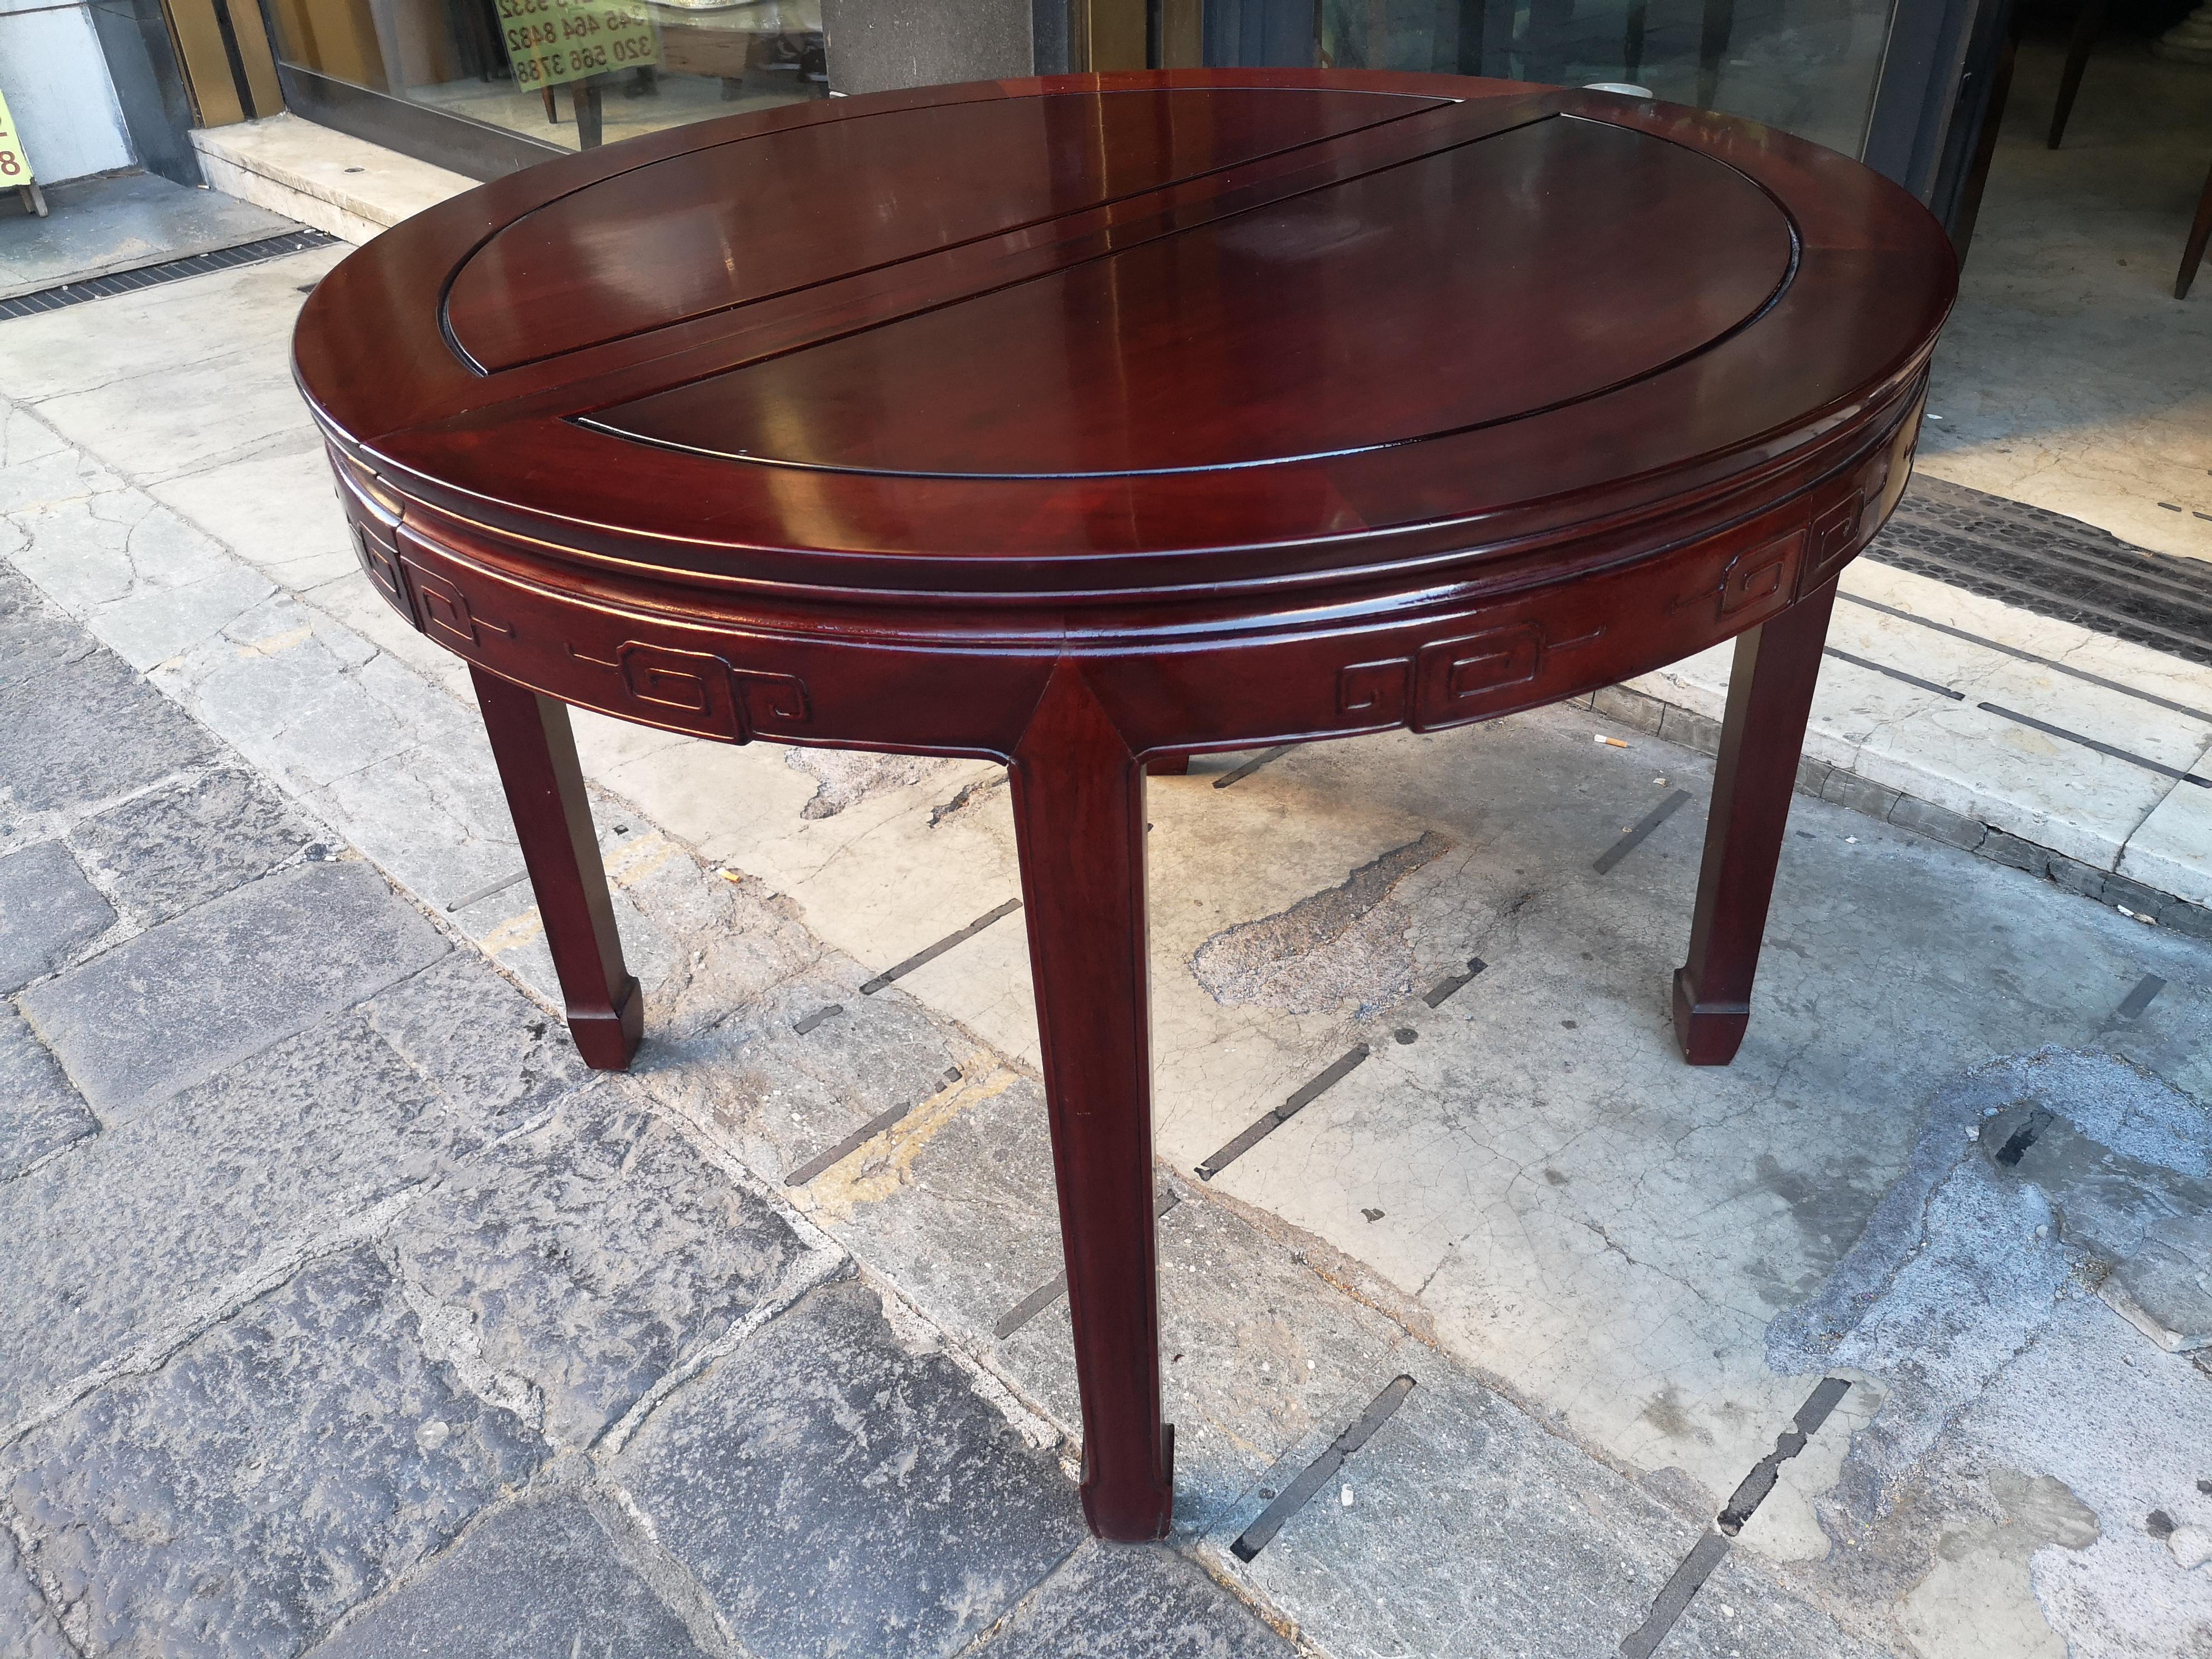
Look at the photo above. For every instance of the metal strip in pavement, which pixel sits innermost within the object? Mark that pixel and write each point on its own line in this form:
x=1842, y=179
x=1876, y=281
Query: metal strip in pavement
x=803, y=1026
x=1253, y=765
x=853, y=1142
x=2143, y=761
x=1894, y=673
x=2147, y=989
x=1633, y=838
x=498, y=886
x=1445, y=988
x=845, y=1148
x=1751, y=1492
x=2143, y=572
x=1266, y=1125
x=1904, y=558
x=1712, y=1549
x=1055, y=1287
x=922, y=957
x=1318, y=1473
x=2052, y=664
x=1689, y=1579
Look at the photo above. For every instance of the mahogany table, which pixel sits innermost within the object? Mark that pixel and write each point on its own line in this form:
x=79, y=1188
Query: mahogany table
x=1087, y=422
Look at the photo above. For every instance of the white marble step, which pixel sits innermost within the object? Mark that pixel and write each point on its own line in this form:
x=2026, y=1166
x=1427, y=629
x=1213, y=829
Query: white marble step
x=2063, y=737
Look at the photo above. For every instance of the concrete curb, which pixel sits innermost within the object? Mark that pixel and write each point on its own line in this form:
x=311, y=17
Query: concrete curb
x=1674, y=724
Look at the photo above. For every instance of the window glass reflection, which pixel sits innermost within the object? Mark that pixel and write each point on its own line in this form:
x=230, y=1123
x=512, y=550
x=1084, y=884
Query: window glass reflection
x=572, y=72
x=1806, y=66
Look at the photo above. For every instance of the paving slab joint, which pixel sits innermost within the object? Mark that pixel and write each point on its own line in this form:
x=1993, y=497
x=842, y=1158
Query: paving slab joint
x=636, y=1544
x=920, y=1333
x=367, y=1225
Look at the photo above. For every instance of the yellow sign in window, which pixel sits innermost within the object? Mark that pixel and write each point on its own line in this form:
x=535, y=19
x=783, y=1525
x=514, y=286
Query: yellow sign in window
x=553, y=41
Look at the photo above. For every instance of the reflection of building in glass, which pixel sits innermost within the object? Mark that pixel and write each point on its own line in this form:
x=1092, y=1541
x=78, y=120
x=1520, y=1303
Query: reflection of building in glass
x=631, y=66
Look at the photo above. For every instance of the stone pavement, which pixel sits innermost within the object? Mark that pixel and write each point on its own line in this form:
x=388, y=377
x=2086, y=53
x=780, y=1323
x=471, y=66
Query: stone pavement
x=386, y=1327
x=346, y=1312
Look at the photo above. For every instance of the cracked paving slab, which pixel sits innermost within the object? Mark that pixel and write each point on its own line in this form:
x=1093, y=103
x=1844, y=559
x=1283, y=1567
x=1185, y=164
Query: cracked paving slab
x=773, y=1097
x=164, y=414
x=38, y=467
x=139, y=1232
x=155, y=583
x=138, y=1023
x=2029, y=1430
x=279, y=513
x=35, y=635
x=48, y=913
x=888, y=1508
x=1964, y=759
x=1109, y=1601
x=574, y=1266
x=82, y=733
x=489, y=1049
x=537, y=1579
x=280, y=1468
x=39, y=1113
x=1578, y=1213
x=1345, y=943
x=846, y=777
x=1463, y=1525
x=28, y=1624
x=180, y=844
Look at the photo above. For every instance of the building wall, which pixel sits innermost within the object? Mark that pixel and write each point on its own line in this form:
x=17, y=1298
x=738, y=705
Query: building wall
x=875, y=46
x=58, y=87
x=156, y=113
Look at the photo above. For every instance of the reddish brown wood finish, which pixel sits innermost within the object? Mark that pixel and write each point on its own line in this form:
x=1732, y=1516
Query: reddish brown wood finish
x=1094, y=422
x=1078, y=798
x=1770, y=696
x=535, y=753
x=2192, y=252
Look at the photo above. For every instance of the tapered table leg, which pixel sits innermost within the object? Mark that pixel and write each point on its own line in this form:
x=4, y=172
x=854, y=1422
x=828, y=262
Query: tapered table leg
x=1770, y=696
x=536, y=750
x=1079, y=797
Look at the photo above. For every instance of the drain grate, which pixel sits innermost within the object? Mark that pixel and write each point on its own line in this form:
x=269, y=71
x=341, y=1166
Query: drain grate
x=196, y=264
x=2052, y=565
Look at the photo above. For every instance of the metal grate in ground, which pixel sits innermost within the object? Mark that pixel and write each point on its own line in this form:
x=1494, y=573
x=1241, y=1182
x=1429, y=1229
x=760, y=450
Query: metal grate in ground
x=196, y=264
x=2053, y=565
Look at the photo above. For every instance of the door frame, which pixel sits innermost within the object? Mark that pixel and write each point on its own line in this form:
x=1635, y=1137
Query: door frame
x=1931, y=94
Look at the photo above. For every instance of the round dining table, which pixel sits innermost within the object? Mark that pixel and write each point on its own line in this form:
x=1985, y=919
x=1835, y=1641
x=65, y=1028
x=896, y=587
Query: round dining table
x=1089, y=423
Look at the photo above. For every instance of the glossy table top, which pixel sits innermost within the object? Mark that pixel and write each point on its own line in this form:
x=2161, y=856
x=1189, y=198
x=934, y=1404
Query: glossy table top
x=1108, y=336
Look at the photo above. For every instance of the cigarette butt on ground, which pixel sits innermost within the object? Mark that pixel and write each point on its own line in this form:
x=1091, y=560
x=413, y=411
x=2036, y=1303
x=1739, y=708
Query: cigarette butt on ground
x=1610, y=742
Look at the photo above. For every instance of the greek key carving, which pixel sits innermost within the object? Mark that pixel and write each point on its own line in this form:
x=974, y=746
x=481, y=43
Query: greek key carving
x=444, y=611
x=1756, y=574
x=703, y=693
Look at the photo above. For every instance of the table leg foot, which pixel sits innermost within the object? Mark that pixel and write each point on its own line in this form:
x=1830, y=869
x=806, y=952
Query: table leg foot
x=1078, y=798
x=608, y=1040
x=1762, y=737
x=1131, y=1506
x=1710, y=1032
x=536, y=752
